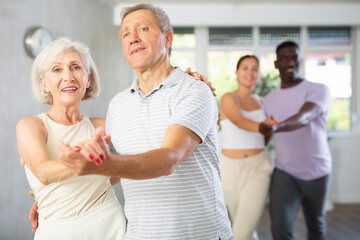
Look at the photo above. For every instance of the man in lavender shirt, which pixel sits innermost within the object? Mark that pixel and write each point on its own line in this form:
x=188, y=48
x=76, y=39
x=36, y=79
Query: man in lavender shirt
x=303, y=161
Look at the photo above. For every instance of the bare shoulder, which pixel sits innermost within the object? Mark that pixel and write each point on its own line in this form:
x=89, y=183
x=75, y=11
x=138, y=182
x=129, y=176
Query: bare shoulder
x=30, y=123
x=227, y=97
x=228, y=100
x=227, y=105
x=29, y=127
x=98, y=122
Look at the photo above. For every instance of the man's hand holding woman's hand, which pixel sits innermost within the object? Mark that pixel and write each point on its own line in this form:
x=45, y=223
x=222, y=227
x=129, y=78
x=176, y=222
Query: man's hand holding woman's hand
x=81, y=158
x=268, y=126
x=271, y=120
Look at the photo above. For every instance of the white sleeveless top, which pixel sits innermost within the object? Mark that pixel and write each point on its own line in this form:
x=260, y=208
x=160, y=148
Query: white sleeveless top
x=76, y=194
x=234, y=137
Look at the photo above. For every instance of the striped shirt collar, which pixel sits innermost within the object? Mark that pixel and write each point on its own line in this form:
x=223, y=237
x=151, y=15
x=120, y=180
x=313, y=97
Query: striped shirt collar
x=172, y=79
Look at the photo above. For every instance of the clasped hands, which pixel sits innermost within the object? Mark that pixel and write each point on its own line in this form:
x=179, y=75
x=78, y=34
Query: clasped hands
x=88, y=156
x=268, y=126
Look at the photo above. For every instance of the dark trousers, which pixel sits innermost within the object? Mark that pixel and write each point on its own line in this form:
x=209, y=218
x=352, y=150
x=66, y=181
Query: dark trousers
x=287, y=194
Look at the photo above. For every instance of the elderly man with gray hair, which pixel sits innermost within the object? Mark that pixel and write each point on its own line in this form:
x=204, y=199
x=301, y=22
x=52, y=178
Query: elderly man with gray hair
x=163, y=128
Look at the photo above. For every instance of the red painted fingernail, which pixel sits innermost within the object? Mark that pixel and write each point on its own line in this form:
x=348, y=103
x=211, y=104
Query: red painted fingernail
x=98, y=161
x=91, y=157
x=102, y=156
x=77, y=147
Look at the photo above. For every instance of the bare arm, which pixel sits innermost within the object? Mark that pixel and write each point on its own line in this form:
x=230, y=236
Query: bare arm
x=178, y=143
x=31, y=142
x=308, y=112
x=231, y=110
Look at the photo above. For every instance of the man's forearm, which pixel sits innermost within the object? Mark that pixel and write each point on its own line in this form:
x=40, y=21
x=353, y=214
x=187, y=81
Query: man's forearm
x=291, y=124
x=307, y=113
x=155, y=163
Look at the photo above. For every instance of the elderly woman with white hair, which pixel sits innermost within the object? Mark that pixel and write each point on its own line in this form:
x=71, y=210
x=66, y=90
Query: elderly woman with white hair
x=69, y=206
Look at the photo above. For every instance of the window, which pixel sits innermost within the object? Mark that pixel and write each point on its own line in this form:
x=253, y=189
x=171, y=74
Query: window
x=329, y=36
x=270, y=78
x=274, y=35
x=334, y=70
x=184, y=43
x=221, y=70
x=327, y=58
x=230, y=36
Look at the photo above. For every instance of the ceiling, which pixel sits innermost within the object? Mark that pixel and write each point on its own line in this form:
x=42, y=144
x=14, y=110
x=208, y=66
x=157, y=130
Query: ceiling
x=115, y=2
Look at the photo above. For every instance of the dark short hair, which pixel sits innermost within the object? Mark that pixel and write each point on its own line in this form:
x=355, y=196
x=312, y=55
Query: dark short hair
x=244, y=58
x=286, y=44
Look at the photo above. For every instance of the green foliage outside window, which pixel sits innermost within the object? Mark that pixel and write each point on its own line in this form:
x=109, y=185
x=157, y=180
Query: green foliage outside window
x=268, y=83
x=339, y=117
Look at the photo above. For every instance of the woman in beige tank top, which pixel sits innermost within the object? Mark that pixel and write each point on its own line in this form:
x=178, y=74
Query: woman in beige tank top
x=244, y=166
x=70, y=207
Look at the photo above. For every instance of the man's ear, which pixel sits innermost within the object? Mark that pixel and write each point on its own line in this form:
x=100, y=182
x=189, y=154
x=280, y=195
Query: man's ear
x=42, y=82
x=169, y=37
x=276, y=64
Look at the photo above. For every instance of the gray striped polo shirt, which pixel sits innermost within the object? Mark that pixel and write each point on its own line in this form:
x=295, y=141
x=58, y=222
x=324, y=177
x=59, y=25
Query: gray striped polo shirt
x=189, y=203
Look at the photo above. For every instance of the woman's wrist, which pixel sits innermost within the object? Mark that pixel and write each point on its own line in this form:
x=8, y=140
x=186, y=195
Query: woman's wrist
x=261, y=126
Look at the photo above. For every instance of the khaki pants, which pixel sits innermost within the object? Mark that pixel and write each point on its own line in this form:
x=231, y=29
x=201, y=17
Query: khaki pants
x=246, y=184
x=106, y=221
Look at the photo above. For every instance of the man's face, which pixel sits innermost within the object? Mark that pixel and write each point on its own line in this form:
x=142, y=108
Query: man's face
x=143, y=43
x=288, y=63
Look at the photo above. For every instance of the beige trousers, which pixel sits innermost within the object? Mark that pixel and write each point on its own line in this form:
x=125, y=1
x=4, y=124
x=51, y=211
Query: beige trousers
x=246, y=184
x=106, y=221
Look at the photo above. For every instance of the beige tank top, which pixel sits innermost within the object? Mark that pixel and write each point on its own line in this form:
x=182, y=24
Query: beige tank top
x=76, y=194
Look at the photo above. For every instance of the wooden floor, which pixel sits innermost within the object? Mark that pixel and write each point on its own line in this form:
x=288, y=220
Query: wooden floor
x=343, y=223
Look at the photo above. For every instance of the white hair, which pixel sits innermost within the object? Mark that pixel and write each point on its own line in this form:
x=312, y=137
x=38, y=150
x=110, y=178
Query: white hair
x=49, y=55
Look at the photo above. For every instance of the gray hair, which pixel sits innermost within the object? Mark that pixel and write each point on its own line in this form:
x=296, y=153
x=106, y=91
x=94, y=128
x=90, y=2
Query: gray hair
x=161, y=17
x=49, y=55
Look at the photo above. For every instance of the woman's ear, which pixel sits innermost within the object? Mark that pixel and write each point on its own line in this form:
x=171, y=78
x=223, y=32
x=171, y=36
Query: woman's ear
x=88, y=83
x=42, y=82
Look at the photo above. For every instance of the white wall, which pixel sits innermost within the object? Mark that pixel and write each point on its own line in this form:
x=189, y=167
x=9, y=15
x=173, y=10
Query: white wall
x=84, y=20
x=345, y=182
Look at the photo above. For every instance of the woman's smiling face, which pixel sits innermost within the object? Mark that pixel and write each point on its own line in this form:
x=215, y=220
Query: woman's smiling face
x=66, y=79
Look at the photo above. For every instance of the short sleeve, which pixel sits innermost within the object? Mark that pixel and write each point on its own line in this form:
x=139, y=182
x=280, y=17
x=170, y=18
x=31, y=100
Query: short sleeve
x=195, y=108
x=320, y=95
x=108, y=121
